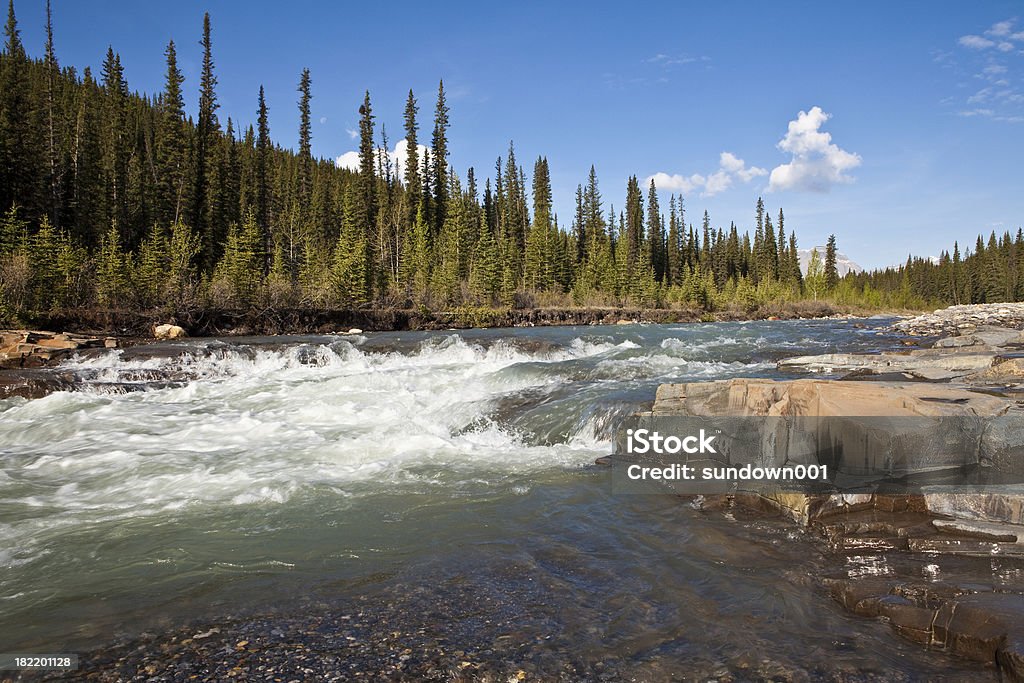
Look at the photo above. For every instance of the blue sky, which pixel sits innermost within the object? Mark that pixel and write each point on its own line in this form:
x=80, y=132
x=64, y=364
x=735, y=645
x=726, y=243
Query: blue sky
x=923, y=101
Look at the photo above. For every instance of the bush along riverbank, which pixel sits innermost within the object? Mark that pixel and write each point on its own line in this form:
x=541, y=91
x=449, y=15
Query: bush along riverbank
x=940, y=562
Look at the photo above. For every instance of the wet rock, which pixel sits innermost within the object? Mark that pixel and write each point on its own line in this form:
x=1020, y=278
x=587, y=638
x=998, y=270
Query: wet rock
x=929, y=364
x=993, y=504
x=983, y=626
x=989, y=531
x=35, y=383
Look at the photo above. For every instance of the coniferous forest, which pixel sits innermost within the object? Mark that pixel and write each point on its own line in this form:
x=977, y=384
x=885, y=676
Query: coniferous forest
x=116, y=200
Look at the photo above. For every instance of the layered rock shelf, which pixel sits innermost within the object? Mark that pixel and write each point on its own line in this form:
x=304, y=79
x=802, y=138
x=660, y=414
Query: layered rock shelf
x=26, y=348
x=940, y=564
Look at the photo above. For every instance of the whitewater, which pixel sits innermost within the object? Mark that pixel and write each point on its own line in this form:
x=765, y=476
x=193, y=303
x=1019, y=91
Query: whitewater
x=203, y=480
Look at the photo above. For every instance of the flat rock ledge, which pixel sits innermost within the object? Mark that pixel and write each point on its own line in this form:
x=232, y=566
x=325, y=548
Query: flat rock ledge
x=33, y=348
x=932, y=564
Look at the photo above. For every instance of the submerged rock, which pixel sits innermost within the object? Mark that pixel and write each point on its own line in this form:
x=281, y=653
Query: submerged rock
x=35, y=382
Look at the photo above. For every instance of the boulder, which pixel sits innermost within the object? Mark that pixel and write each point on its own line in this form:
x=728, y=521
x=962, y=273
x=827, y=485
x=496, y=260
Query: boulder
x=169, y=332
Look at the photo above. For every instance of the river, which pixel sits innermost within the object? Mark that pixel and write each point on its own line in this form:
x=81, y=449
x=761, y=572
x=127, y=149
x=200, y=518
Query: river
x=442, y=482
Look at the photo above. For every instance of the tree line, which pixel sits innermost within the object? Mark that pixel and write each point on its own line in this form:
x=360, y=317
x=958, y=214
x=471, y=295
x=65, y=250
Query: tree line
x=117, y=199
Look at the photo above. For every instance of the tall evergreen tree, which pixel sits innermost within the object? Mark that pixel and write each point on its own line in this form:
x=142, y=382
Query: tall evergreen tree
x=831, y=272
x=172, y=145
x=305, y=139
x=367, y=164
x=262, y=162
x=413, y=182
x=439, y=144
x=207, y=129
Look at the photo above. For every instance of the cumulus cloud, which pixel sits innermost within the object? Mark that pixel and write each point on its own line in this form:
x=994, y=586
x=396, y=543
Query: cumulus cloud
x=730, y=167
x=349, y=160
x=817, y=163
x=1000, y=36
x=398, y=157
x=1001, y=28
x=976, y=42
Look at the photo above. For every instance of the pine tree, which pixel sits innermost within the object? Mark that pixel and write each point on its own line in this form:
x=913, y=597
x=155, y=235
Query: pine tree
x=262, y=158
x=439, y=143
x=151, y=268
x=413, y=182
x=54, y=125
x=655, y=234
x=349, y=272
x=538, y=271
x=111, y=271
x=207, y=129
x=115, y=171
x=172, y=151
x=183, y=249
x=831, y=272
x=19, y=176
x=367, y=208
x=305, y=139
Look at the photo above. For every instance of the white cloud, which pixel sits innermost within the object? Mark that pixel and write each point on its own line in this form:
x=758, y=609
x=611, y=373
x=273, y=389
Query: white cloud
x=399, y=157
x=352, y=134
x=323, y=119
x=976, y=42
x=817, y=162
x=729, y=167
x=349, y=160
x=976, y=112
x=671, y=60
x=1001, y=28
x=1005, y=46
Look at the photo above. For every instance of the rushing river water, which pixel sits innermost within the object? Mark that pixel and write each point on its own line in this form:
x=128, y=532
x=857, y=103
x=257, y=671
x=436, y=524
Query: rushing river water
x=442, y=476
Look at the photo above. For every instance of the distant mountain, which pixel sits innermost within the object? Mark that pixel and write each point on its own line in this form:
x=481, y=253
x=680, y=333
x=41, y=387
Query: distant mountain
x=843, y=263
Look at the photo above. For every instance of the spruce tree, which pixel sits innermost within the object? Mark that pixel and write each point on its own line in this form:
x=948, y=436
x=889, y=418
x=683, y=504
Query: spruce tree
x=19, y=178
x=439, y=144
x=262, y=162
x=413, y=182
x=655, y=234
x=367, y=205
x=207, y=129
x=305, y=139
x=172, y=145
x=54, y=125
x=831, y=272
x=538, y=271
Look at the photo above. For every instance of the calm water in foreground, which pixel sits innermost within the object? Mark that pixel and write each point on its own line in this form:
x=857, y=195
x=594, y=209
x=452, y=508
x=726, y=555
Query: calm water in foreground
x=288, y=475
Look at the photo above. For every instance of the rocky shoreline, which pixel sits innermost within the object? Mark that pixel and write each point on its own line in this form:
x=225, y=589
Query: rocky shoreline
x=912, y=543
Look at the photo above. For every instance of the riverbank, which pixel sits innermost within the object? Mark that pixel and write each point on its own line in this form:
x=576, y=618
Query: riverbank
x=271, y=321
